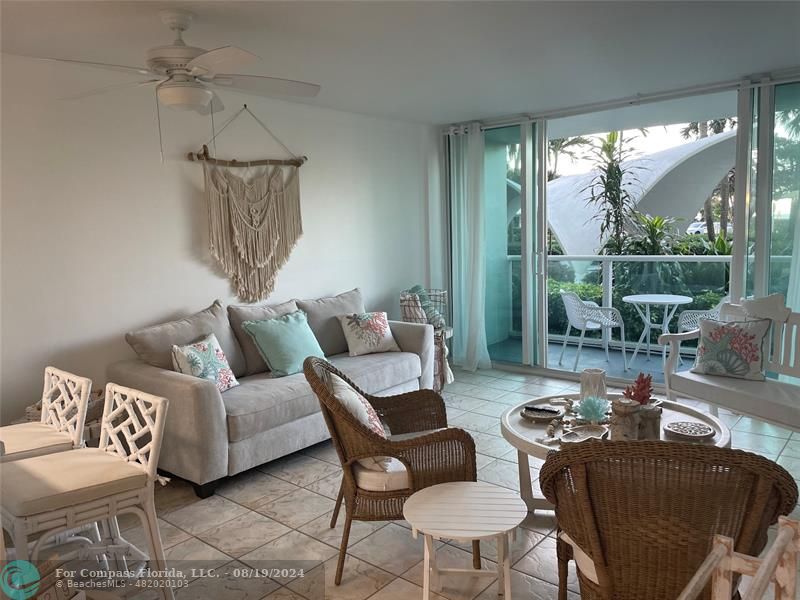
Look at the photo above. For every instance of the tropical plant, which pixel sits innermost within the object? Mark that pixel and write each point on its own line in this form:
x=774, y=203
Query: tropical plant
x=651, y=235
x=610, y=189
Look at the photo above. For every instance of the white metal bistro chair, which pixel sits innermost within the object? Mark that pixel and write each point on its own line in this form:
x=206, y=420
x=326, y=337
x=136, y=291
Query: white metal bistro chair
x=47, y=495
x=65, y=398
x=586, y=315
x=689, y=320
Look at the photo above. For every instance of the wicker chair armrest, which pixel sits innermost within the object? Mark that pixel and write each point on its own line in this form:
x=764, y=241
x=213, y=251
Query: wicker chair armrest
x=420, y=410
x=437, y=457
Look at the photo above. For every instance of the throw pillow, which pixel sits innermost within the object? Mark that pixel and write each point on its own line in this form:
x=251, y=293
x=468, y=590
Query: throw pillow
x=322, y=314
x=360, y=408
x=284, y=342
x=206, y=360
x=732, y=349
x=238, y=314
x=368, y=333
x=435, y=318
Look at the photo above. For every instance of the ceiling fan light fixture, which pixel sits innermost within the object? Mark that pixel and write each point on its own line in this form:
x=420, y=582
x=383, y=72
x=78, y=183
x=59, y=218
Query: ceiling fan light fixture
x=184, y=95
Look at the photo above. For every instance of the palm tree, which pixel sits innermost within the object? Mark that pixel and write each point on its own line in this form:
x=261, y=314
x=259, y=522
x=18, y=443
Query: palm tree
x=699, y=130
x=568, y=146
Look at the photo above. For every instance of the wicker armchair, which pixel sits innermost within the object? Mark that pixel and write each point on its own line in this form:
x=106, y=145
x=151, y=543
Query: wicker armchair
x=642, y=515
x=442, y=455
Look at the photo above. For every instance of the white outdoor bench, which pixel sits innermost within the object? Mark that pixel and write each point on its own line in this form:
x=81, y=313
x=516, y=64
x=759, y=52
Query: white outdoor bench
x=772, y=400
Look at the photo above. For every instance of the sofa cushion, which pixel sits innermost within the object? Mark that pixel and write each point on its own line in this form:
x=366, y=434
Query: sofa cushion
x=262, y=402
x=322, y=318
x=39, y=484
x=154, y=344
x=284, y=342
x=238, y=314
x=377, y=372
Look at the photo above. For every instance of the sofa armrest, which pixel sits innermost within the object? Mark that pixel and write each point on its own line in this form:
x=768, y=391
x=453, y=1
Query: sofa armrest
x=418, y=339
x=195, y=443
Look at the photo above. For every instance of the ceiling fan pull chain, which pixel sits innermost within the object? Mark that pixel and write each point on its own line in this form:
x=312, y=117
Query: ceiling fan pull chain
x=158, y=119
x=213, y=137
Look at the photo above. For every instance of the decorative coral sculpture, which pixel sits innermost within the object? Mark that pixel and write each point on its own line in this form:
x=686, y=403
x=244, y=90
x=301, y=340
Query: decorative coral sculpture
x=640, y=390
x=592, y=409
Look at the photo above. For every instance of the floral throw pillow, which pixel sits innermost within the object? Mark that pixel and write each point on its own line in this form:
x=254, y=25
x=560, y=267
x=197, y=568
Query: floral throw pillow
x=206, y=360
x=368, y=333
x=734, y=349
x=360, y=408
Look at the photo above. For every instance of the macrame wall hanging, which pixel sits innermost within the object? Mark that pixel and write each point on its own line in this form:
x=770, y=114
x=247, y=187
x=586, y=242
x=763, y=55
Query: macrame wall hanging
x=253, y=215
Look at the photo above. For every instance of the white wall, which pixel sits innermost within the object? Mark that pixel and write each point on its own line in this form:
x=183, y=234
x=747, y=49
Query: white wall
x=99, y=237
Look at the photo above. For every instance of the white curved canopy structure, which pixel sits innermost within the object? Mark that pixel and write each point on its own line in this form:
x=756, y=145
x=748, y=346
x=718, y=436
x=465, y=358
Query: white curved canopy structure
x=671, y=183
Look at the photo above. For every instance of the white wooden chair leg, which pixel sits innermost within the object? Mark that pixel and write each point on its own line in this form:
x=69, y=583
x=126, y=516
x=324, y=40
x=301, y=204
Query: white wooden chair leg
x=564, y=345
x=578, y=355
x=154, y=542
x=20, y=542
x=622, y=342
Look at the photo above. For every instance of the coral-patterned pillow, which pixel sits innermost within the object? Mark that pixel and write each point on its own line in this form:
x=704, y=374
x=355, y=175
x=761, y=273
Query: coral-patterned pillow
x=204, y=359
x=368, y=333
x=734, y=349
x=360, y=408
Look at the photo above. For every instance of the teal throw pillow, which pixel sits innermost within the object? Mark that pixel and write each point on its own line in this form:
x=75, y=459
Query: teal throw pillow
x=435, y=318
x=284, y=342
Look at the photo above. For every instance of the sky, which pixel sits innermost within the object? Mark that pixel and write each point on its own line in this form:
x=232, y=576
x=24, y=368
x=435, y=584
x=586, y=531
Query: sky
x=657, y=139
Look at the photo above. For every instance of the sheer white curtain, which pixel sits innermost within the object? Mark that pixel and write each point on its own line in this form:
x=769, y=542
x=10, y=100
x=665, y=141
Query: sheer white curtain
x=468, y=248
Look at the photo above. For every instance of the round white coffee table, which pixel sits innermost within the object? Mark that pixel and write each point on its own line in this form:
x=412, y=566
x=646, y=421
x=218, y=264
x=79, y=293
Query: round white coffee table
x=523, y=435
x=642, y=304
x=465, y=511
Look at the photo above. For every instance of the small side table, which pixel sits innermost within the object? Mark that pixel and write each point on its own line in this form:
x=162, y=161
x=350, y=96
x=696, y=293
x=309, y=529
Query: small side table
x=670, y=303
x=465, y=511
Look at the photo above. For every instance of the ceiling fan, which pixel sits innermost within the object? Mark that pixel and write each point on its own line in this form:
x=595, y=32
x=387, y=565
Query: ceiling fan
x=185, y=77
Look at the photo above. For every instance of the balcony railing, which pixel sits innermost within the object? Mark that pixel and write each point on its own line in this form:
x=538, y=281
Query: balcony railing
x=606, y=279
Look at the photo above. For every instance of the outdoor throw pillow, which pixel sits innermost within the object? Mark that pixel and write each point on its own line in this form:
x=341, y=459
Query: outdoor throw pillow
x=368, y=333
x=204, y=359
x=284, y=342
x=734, y=349
x=435, y=318
x=360, y=408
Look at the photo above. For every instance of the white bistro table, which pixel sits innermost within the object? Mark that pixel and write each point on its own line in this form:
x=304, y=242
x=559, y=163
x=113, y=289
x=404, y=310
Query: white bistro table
x=642, y=304
x=465, y=511
x=525, y=435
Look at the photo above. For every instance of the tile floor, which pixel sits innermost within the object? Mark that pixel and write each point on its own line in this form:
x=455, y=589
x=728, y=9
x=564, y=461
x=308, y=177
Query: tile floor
x=280, y=511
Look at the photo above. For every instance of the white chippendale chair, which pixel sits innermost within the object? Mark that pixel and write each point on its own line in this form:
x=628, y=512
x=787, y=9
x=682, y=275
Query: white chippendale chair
x=585, y=315
x=47, y=495
x=65, y=398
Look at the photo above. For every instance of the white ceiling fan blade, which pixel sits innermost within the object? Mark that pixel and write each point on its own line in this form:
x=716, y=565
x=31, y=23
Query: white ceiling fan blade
x=266, y=86
x=215, y=105
x=226, y=58
x=109, y=88
x=95, y=65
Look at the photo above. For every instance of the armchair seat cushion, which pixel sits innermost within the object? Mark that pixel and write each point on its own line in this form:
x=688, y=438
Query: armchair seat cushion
x=55, y=481
x=395, y=477
x=376, y=372
x=26, y=440
x=772, y=400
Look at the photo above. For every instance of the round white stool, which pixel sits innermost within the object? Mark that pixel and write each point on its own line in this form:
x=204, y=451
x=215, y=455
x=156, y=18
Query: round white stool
x=465, y=511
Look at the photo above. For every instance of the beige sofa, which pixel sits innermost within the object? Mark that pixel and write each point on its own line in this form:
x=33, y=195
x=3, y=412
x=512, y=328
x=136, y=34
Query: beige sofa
x=211, y=435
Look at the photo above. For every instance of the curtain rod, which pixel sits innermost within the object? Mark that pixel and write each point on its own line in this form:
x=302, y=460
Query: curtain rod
x=756, y=81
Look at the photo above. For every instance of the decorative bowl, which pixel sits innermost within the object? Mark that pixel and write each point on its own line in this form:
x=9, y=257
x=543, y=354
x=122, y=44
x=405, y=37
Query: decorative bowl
x=535, y=414
x=690, y=430
x=581, y=433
